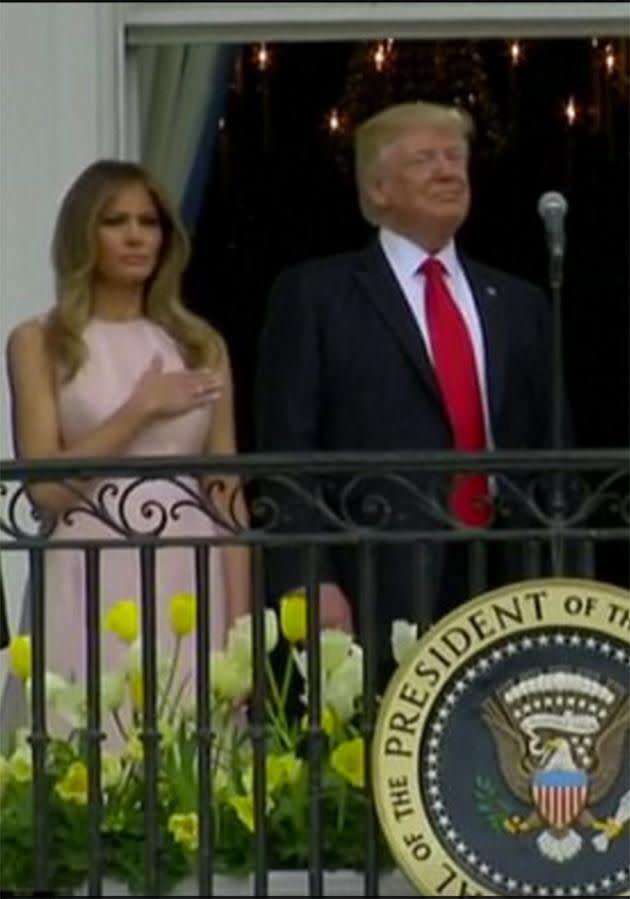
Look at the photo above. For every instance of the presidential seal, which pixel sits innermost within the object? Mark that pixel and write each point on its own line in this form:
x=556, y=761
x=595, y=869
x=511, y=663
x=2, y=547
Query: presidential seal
x=501, y=760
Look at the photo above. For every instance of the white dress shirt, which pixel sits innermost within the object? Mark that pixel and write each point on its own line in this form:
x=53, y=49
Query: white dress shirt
x=405, y=259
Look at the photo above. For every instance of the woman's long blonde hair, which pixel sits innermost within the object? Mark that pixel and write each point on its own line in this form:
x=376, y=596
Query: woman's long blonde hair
x=74, y=257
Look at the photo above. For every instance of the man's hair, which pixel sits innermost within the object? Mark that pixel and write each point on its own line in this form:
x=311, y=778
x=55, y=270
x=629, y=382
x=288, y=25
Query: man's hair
x=383, y=128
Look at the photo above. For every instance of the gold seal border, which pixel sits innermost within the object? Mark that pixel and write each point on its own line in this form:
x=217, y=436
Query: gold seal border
x=577, y=604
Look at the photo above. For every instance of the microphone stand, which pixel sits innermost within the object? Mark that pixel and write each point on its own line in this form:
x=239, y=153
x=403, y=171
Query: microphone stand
x=558, y=500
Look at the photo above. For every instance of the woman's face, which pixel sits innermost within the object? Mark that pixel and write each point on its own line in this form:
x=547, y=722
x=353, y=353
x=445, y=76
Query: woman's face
x=128, y=237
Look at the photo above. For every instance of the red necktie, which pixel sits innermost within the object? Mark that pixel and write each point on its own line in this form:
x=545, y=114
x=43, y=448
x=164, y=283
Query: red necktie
x=454, y=361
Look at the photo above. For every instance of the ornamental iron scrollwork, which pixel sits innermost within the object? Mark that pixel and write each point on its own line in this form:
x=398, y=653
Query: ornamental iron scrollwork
x=372, y=500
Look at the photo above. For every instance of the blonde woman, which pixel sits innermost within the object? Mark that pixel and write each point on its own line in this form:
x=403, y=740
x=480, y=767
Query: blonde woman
x=119, y=368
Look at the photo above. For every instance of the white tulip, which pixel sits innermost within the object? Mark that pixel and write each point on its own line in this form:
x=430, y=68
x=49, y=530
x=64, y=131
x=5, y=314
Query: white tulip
x=111, y=769
x=345, y=685
x=54, y=685
x=335, y=647
x=241, y=635
x=134, y=657
x=71, y=705
x=404, y=640
x=113, y=690
x=229, y=679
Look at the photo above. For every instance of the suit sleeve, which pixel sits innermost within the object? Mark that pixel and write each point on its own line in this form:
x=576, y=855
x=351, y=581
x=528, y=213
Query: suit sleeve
x=288, y=415
x=288, y=380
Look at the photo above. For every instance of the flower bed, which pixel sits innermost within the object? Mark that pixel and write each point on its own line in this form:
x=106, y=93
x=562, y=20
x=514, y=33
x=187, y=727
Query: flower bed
x=343, y=799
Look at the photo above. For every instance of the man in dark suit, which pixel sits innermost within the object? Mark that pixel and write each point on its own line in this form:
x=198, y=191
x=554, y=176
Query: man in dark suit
x=405, y=345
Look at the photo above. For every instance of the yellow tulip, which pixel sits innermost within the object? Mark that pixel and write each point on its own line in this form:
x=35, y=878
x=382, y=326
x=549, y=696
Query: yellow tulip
x=20, y=656
x=292, y=768
x=185, y=830
x=277, y=769
x=74, y=785
x=348, y=760
x=293, y=617
x=123, y=620
x=136, y=688
x=244, y=808
x=183, y=614
x=328, y=722
x=21, y=765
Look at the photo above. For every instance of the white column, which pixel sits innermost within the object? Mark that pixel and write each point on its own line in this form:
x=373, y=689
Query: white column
x=58, y=112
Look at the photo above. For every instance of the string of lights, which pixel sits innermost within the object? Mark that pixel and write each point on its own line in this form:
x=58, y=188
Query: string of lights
x=381, y=56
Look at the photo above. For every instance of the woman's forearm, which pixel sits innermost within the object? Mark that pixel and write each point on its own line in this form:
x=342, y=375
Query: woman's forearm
x=107, y=440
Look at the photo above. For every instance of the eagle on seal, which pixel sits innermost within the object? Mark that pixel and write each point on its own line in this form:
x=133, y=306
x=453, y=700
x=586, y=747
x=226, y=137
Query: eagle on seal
x=561, y=740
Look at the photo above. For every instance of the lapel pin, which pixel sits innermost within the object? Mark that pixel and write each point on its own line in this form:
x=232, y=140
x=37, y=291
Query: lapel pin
x=492, y=291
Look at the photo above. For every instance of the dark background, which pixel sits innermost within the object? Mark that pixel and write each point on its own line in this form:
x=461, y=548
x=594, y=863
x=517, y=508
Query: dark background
x=280, y=189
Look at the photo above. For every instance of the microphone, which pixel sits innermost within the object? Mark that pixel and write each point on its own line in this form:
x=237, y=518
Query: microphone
x=552, y=208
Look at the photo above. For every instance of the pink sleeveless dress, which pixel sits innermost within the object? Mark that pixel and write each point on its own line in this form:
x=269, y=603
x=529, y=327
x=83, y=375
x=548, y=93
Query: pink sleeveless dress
x=118, y=354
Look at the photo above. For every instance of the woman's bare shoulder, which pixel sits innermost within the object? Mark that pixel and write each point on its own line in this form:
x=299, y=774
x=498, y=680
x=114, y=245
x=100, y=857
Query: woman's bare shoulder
x=27, y=336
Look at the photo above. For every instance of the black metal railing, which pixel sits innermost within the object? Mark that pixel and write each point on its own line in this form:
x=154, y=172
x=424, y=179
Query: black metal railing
x=560, y=510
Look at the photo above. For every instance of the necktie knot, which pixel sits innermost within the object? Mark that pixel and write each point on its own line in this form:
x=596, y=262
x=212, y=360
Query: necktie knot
x=432, y=267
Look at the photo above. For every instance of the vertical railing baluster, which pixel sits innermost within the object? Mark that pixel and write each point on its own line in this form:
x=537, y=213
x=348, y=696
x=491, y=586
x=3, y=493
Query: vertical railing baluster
x=258, y=728
x=150, y=733
x=557, y=534
x=315, y=733
x=477, y=567
x=204, y=724
x=39, y=737
x=586, y=557
x=423, y=598
x=533, y=558
x=366, y=606
x=93, y=734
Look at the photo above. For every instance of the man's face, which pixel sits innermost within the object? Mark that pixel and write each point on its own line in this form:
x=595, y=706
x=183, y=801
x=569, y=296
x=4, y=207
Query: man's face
x=420, y=185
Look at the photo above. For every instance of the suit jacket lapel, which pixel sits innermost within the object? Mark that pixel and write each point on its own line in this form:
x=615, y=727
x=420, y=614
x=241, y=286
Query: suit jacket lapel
x=492, y=312
x=381, y=287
